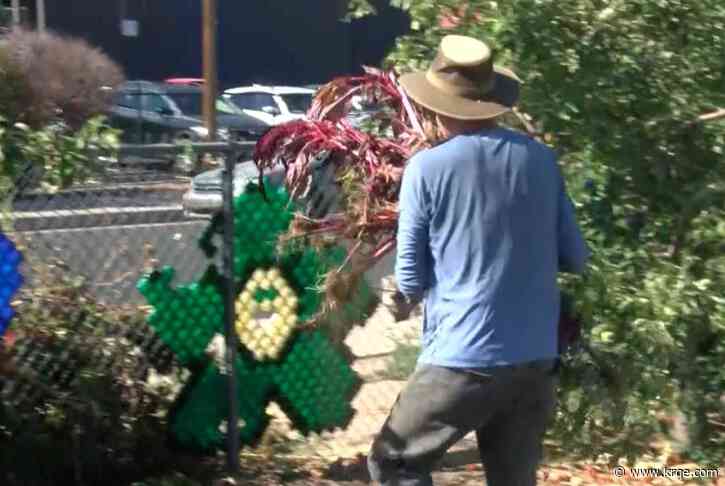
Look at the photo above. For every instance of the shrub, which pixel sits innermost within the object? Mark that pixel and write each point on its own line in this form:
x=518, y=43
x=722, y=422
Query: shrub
x=14, y=88
x=66, y=77
x=54, y=155
x=82, y=400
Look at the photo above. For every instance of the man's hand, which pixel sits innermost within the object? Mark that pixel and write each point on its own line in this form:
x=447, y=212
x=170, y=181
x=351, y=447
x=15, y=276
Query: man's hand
x=402, y=306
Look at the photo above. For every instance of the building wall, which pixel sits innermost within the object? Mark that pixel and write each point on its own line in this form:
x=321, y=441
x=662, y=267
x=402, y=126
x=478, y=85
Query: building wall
x=275, y=41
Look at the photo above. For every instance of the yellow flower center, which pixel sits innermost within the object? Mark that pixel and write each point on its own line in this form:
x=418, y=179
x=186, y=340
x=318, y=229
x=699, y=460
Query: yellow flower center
x=265, y=326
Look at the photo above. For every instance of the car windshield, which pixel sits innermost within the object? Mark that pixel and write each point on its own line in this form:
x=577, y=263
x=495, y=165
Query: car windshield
x=191, y=104
x=298, y=103
x=227, y=108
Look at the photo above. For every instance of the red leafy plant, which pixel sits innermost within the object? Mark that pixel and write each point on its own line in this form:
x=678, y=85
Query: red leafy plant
x=368, y=166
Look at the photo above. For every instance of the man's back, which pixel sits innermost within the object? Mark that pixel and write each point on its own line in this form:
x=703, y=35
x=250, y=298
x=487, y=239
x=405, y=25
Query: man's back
x=489, y=216
x=484, y=227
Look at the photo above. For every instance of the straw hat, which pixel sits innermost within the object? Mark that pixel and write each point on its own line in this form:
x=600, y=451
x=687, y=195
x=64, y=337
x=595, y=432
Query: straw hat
x=463, y=83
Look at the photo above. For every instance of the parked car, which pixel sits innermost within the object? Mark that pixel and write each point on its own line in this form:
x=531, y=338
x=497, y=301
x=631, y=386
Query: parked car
x=148, y=113
x=272, y=105
x=188, y=100
x=145, y=114
x=205, y=195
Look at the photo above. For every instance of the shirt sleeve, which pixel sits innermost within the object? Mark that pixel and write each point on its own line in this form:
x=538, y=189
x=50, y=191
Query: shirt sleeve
x=573, y=251
x=411, y=264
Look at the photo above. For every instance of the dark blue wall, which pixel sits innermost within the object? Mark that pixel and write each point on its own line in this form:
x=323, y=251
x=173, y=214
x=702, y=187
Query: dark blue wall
x=273, y=41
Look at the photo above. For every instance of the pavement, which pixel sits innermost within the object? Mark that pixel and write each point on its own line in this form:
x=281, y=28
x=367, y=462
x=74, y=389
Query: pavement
x=111, y=259
x=110, y=205
x=105, y=233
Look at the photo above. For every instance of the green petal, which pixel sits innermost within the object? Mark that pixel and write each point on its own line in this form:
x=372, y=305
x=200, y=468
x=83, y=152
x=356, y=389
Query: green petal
x=185, y=317
x=316, y=384
x=197, y=416
x=258, y=224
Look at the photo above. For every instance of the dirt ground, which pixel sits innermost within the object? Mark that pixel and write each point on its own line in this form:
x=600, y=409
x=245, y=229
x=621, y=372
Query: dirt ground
x=459, y=469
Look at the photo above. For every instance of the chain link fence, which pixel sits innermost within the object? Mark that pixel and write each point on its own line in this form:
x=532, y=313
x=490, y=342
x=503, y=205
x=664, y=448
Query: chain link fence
x=86, y=251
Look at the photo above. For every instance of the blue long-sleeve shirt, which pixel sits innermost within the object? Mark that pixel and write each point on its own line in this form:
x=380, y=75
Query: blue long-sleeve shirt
x=485, y=226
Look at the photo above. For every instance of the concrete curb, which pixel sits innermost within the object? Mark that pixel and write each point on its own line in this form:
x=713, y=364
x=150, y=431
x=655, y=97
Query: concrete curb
x=124, y=187
x=88, y=218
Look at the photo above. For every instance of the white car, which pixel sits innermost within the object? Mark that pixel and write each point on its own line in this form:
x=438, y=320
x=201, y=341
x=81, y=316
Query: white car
x=273, y=105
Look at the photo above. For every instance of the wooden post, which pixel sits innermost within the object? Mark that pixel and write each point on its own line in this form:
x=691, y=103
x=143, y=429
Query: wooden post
x=40, y=14
x=209, y=29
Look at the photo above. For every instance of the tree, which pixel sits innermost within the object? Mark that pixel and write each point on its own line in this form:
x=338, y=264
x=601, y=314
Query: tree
x=631, y=95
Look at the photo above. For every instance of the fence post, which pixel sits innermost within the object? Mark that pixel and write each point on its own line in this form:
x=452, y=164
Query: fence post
x=40, y=15
x=229, y=317
x=15, y=7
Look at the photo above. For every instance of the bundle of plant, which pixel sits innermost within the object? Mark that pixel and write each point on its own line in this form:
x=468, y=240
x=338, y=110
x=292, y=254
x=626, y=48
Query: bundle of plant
x=368, y=164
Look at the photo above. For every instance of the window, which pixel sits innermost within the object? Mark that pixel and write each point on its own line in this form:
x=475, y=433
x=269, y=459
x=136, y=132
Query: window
x=226, y=107
x=254, y=101
x=146, y=102
x=190, y=104
x=298, y=103
x=127, y=100
x=154, y=102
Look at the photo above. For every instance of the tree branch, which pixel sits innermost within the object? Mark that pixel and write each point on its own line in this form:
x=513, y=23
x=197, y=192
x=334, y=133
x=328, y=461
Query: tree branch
x=526, y=123
x=712, y=116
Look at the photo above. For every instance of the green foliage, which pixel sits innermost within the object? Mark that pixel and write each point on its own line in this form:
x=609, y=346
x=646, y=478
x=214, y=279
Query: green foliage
x=55, y=155
x=618, y=88
x=358, y=9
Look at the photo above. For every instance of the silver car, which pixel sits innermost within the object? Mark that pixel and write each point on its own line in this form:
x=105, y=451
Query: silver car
x=205, y=195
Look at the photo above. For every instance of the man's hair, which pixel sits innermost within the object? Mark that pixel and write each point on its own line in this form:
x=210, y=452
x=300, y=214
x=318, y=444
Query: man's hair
x=431, y=123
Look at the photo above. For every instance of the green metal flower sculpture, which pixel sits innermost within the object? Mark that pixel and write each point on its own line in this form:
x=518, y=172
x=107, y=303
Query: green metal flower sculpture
x=282, y=357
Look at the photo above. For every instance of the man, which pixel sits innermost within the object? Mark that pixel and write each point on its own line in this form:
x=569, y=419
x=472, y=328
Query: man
x=485, y=226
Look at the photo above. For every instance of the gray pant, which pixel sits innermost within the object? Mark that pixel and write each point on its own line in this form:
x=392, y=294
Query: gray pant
x=508, y=407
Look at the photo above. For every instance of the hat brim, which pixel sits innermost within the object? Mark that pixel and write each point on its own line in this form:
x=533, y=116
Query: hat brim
x=498, y=101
